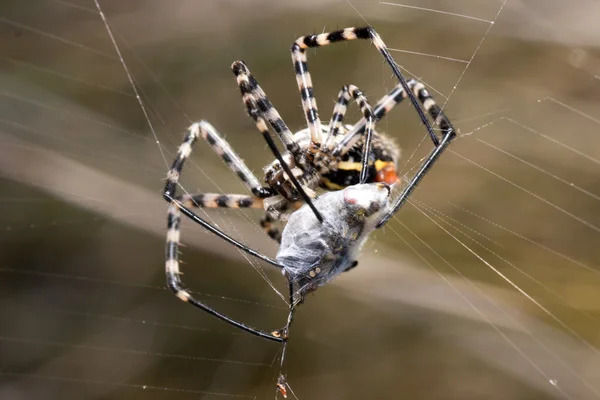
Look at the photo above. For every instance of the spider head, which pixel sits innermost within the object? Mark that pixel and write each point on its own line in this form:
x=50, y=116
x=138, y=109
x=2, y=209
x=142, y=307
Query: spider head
x=367, y=199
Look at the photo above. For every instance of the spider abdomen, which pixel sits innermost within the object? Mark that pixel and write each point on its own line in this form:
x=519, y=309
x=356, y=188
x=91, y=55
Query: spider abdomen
x=346, y=171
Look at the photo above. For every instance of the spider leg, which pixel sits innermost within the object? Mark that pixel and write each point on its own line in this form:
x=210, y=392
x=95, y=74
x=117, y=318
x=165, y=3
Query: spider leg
x=369, y=116
x=267, y=220
x=215, y=200
x=448, y=133
x=223, y=149
x=341, y=107
x=304, y=81
x=383, y=106
x=339, y=112
x=172, y=266
x=387, y=103
x=285, y=332
x=427, y=164
x=253, y=96
x=381, y=109
x=256, y=115
x=176, y=207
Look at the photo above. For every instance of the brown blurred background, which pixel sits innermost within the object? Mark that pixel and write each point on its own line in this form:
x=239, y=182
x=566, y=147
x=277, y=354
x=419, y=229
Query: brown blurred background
x=84, y=311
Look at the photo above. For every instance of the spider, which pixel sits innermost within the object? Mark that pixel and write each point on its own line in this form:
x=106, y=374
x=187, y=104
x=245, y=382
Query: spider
x=354, y=162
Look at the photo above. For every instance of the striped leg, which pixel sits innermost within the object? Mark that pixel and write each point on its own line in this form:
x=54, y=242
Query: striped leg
x=432, y=108
x=223, y=149
x=267, y=220
x=387, y=103
x=449, y=133
x=383, y=106
x=173, y=273
x=339, y=111
x=257, y=116
x=253, y=95
x=178, y=205
x=303, y=78
x=213, y=200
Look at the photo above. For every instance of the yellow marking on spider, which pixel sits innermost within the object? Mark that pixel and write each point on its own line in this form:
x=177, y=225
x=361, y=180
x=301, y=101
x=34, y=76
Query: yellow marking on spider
x=357, y=166
x=349, y=166
x=331, y=185
x=379, y=165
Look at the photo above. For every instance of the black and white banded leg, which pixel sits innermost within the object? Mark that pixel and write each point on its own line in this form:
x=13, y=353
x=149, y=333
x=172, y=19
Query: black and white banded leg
x=303, y=78
x=215, y=200
x=432, y=108
x=257, y=116
x=381, y=109
x=387, y=103
x=207, y=132
x=267, y=221
x=448, y=132
x=346, y=94
x=254, y=96
x=383, y=106
x=352, y=92
x=178, y=205
x=337, y=117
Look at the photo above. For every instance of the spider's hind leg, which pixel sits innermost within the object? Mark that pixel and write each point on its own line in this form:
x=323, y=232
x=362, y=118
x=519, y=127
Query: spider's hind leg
x=178, y=205
x=224, y=151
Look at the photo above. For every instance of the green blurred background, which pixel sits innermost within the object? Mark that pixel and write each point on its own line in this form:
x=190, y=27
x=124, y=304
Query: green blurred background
x=84, y=310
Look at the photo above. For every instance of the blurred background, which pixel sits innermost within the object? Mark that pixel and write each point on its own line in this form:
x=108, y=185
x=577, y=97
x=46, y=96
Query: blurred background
x=485, y=285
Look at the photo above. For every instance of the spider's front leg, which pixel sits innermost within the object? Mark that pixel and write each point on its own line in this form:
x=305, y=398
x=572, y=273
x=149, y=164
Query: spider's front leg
x=339, y=111
x=381, y=109
x=346, y=94
x=391, y=100
x=304, y=80
x=449, y=133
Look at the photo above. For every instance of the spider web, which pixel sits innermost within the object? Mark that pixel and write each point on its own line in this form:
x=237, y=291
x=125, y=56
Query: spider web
x=485, y=280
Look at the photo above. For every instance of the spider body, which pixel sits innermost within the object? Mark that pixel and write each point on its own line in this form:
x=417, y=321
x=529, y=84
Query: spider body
x=328, y=171
x=322, y=238
x=312, y=252
x=382, y=164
